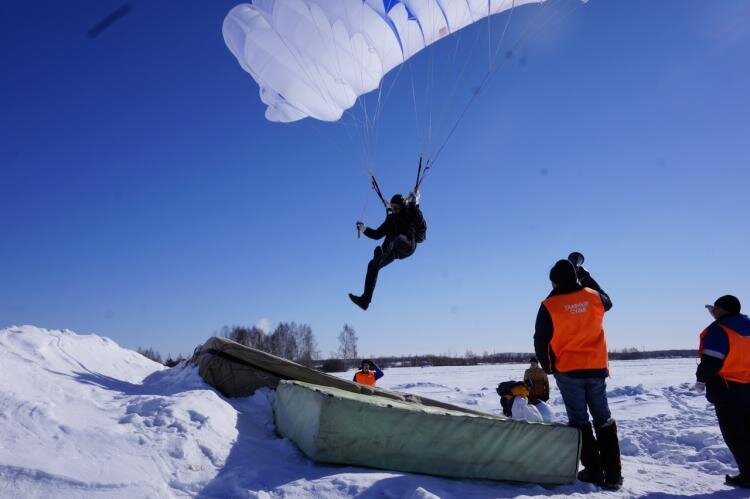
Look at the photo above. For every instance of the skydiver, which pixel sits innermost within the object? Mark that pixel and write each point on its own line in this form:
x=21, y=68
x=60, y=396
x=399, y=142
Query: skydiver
x=403, y=228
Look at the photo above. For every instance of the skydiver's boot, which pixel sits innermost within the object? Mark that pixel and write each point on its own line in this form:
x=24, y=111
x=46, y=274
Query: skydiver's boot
x=359, y=301
x=590, y=459
x=737, y=481
x=609, y=449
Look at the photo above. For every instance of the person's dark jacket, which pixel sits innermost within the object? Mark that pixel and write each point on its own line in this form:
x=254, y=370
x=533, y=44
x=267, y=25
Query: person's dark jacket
x=544, y=327
x=715, y=350
x=396, y=224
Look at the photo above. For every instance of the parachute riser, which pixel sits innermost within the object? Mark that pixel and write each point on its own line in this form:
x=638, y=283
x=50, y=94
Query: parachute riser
x=377, y=190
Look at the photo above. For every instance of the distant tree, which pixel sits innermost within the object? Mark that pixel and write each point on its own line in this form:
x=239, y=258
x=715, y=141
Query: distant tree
x=333, y=366
x=257, y=339
x=249, y=336
x=306, y=345
x=282, y=341
x=347, y=343
x=150, y=353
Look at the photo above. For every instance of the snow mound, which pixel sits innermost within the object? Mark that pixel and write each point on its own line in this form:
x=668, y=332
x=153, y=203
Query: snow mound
x=71, y=400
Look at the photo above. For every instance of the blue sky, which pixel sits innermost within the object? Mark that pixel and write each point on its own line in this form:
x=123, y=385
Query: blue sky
x=146, y=198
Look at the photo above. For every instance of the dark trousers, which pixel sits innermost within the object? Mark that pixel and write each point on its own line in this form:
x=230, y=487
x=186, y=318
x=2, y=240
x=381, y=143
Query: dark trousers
x=734, y=422
x=393, y=248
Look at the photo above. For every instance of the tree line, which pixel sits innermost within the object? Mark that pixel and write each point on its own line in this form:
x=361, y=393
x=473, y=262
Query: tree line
x=472, y=359
x=289, y=340
x=297, y=342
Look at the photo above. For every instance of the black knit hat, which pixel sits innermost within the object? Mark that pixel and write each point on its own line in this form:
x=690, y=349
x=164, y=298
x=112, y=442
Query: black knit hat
x=729, y=304
x=398, y=199
x=563, y=273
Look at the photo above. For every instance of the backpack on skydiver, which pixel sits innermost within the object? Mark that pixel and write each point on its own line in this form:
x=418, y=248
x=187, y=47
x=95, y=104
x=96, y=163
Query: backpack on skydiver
x=420, y=225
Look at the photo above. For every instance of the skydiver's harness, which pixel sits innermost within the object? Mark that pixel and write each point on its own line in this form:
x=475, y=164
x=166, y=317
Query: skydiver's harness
x=421, y=172
x=421, y=225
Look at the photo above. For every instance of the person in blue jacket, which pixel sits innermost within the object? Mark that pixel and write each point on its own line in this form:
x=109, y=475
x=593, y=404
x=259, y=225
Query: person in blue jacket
x=724, y=374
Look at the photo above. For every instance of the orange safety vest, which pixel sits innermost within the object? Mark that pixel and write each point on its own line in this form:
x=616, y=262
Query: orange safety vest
x=577, y=338
x=365, y=378
x=736, y=365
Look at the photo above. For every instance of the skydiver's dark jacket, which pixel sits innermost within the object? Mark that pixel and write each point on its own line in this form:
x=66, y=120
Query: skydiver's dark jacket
x=544, y=329
x=396, y=224
x=715, y=351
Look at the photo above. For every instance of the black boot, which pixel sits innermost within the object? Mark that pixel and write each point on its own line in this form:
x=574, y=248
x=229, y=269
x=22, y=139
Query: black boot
x=737, y=481
x=609, y=449
x=359, y=301
x=592, y=465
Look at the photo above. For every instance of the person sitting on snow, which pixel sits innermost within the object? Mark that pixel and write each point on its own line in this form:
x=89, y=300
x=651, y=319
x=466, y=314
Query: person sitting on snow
x=514, y=399
x=403, y=228
x=538, y=382
x=368, y=373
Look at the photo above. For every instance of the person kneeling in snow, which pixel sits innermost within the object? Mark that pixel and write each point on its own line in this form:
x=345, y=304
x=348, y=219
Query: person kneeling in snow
x=368, y=373
x=514, y=399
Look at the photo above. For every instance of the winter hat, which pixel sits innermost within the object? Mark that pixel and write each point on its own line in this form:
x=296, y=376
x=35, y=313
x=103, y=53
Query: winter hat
x=398, y=199
x=728, y=303
x=563, y=273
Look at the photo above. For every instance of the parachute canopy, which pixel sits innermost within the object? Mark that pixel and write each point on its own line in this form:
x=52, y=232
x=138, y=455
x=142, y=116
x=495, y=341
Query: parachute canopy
x=314, y=58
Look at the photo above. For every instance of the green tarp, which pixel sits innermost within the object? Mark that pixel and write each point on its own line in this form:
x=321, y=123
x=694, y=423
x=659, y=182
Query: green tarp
x=337, y=426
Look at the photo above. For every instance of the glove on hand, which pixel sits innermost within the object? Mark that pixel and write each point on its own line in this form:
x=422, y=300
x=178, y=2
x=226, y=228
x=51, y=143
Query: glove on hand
x=360, y=227
x=699, y=387
x=413, y=197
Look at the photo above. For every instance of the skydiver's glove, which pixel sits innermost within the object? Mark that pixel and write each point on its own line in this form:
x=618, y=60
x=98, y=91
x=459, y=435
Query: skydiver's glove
x=699, y=387
x=414, y=197
x=360, y=228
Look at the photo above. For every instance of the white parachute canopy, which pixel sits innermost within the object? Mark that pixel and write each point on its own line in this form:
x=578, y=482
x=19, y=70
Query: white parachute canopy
x=314, y=58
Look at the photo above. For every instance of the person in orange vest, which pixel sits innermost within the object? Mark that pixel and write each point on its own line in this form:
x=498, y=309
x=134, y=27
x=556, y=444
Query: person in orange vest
x=368, y=373
x=569, y=343
x=724, y=374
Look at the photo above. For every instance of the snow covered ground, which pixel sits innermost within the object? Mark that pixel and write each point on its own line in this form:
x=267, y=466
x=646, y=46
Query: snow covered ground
x=82, y=417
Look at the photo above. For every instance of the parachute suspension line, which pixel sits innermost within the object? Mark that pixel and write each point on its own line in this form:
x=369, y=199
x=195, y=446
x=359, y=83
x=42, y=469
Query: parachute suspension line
x=377, y=190
x=429, y=97
x=393, y=84
x=489, y=37
x=457, y=81
x=531, y=30
x=505, y=29
x=420, y=174
x=367, y=135
x=416, y=111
